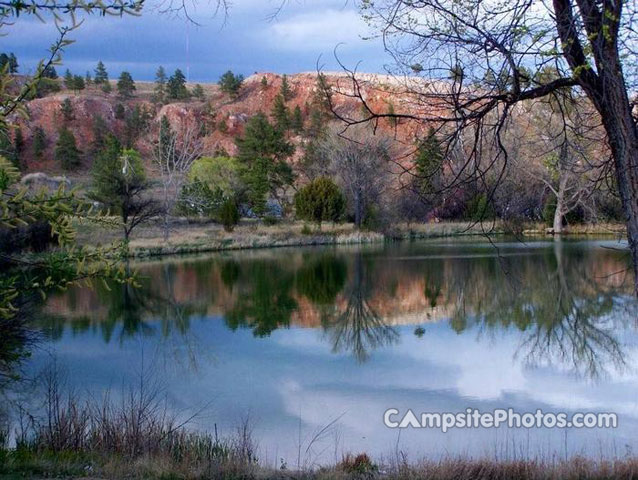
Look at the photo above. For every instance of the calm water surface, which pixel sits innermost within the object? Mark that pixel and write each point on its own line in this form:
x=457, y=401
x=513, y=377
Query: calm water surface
x=314, y=344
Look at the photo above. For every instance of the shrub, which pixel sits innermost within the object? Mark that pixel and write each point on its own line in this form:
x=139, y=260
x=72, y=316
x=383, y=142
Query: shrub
x=321, y=200
x=479, y=208
x=229, y=214
x=270, y=220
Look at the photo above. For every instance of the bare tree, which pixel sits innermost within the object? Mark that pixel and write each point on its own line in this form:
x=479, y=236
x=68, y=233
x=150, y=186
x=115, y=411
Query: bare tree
x=360, y=163
x=174, y=154
x=464, y=65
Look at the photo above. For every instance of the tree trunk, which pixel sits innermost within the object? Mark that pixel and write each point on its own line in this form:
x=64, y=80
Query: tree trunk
x=623, y=140
x=559, y=213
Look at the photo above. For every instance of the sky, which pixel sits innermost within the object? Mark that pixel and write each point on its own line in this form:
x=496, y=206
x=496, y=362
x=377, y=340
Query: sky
x=247, y=40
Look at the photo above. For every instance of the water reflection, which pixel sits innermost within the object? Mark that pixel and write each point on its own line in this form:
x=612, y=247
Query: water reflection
x=566, y=298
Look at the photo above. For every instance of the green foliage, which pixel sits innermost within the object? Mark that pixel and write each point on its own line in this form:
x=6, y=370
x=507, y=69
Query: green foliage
x=218, y=172
x=39, y=142
x=296, y=123
x=120, y=111
x=429, y=164
x=7, y=146
x=106, y=87
x=479, y=208
x=68, y=79
x=320, y=201
x=197, y=198
x=46, y=86
x=263, y=152
x=125, y=85
x=50, y=72
x=99, y=130
x=281, y=114
x=229, y=214
x=66, y=150
x=159, y=90
x=119, y=182
x=264, y=83
x=137, y=122
x=10, y=62
x=101, y=76
x=66, y=107
x=176, y=86
x=198, y=92
x=286, y=91
x=231, y=83
x=18, y=146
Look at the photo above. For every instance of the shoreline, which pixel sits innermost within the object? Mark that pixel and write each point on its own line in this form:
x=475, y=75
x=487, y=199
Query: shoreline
x=211, y=238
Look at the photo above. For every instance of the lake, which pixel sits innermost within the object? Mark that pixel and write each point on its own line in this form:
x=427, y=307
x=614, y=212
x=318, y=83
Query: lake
x=313, y=345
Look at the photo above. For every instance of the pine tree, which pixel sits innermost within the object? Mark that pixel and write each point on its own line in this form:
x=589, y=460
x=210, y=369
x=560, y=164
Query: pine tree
x=264, y=83
x=100, y=131
x=231, y=83
x=13, y=63
x=50, y=72
x=66, y=107
x=296, y=124
x=429, y=162
x=120, y=112
x=101, y=76
x=281, y=114
x=88, y=79
x=285, y=91
x=198, y=92
x=66, y=150
x=78, y=83
x=39, y=142
x=177, y=86
x=263, y=151
x=125, y=85
x=68, y=80
x=159, y=91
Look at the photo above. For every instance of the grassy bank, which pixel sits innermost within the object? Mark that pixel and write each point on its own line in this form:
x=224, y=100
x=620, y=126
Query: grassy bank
x=206, y=463
x=187, y=237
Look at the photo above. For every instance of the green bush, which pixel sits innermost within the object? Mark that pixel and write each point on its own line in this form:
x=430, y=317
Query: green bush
x=229, y=214
x=549, y=208
x=270, y=220
x=479, y=208
x=320, y=201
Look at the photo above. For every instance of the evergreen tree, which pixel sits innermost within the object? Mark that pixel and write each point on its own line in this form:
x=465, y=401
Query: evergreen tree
x=66, y=107
x=119, y=182
x=286, y=91
x=10, y=61
x=231, y=83
x=125, y=85
x=66, y=150
x=100, y=131
x=263, y=152
x=101, y=76
x=177, y=86
x=198, y=92
x=320, y=201
x=264, y=83
x=39, y=142
x=136, y=123
x=165, y=136
x=106, y=87
x=68, y=80
x=88, y=79
x=281, y=114
x=120, y=112
x=429, y=162
x=78, y=83
x=296, y=123
x=50, y=72
x=159, y=91
x=13, y=63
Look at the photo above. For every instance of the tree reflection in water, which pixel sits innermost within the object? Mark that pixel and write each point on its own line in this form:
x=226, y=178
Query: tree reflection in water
x=358, y=329
x=566, y=314
x=558, y=297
